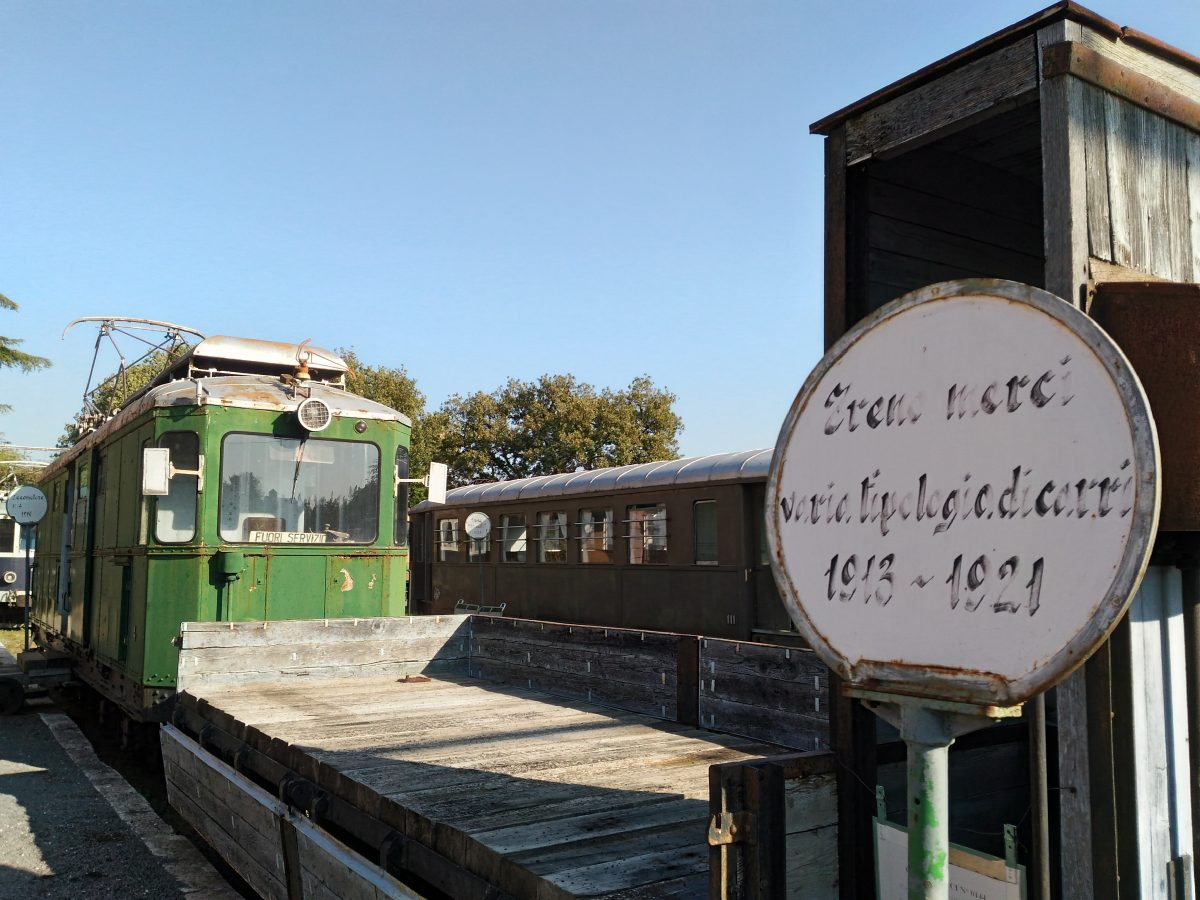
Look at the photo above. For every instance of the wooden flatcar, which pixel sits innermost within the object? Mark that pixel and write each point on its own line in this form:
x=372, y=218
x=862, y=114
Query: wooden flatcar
x=245, y=484
x=676, y=545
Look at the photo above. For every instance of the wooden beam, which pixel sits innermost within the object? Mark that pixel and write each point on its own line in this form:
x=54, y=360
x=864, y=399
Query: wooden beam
x=836, y=316
x=1064, y=180
x=977, y=87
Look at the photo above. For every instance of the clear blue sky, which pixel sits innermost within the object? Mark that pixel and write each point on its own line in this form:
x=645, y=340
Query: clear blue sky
x=471, y=190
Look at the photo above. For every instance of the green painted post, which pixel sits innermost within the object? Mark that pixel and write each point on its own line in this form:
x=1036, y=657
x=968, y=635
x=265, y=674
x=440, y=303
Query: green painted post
x=928, y=728
x=928, y=740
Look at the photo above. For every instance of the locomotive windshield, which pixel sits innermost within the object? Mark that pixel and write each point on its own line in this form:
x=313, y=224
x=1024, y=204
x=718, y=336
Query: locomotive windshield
x=289, y=491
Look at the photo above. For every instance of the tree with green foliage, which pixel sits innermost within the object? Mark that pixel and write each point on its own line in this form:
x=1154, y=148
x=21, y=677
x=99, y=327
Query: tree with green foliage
x=12, y=476
x=551, y=425
x=393, y=387
x=11, y=357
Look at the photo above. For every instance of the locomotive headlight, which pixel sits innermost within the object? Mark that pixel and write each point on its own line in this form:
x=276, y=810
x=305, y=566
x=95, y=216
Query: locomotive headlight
x=10, y=577
x=314, y=414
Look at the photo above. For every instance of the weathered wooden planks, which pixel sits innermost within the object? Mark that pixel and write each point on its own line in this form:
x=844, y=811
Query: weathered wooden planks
x=535, y=770
x=243, y=830
x=1147, y=197
x=932, y=107
x=933, y=215
x=279, y=854
x=773, y=830
x=775, y=694
x=233, y=652
x=540, y=797
x=633, y=670
x=1159, y=70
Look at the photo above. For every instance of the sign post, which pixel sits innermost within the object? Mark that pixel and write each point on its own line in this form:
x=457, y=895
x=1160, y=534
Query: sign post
x=961, y=504
x=27, y=505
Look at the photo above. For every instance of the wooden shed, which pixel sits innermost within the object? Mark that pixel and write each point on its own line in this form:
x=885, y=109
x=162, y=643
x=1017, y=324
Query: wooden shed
x=1062, y=152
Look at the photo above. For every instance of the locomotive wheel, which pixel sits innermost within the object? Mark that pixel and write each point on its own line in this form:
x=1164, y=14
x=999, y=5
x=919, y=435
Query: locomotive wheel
x=12, y=696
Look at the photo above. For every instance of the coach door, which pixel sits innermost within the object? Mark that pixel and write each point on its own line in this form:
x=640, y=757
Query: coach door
x=420, y=571
x=771, y=621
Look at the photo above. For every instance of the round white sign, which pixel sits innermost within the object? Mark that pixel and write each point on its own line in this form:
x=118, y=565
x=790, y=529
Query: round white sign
x=26, y=505
x=478, y=525
x=964, y=495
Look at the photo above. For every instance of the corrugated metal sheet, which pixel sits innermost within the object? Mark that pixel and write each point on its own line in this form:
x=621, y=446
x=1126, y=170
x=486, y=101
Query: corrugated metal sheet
x=745, y=465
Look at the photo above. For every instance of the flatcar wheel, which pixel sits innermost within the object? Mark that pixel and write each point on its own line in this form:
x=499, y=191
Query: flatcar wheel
x=12, y=696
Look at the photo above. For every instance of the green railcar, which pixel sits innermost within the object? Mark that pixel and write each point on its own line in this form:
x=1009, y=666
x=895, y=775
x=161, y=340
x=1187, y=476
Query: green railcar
x=242, y=485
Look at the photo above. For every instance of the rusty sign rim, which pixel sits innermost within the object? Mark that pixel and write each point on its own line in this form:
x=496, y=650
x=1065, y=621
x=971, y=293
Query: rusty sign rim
x=957, y=684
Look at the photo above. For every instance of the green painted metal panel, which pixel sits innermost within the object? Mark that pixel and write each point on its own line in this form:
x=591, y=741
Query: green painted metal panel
x=296, y=585
x=49, y=555
x=106, y=600
x=173, y=587
x=124, y=624
x=354, y=586
x=76, y=580
x=125, y=486
x=134, y=635
x=245, y=600
x=395, y=584
x=106, y=499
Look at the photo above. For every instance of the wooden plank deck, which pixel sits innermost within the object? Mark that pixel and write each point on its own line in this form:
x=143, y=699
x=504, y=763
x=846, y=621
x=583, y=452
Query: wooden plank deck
x=542, y=798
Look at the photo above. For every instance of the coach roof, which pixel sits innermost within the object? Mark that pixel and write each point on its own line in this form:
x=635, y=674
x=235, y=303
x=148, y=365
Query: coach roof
x=745, y=465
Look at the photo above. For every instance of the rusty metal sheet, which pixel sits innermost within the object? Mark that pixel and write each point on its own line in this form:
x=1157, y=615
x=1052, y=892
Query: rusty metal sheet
x=1157, y=325
x=964, y=494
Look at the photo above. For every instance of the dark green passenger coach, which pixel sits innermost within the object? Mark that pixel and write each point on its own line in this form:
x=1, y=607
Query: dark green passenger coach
x=245, y=484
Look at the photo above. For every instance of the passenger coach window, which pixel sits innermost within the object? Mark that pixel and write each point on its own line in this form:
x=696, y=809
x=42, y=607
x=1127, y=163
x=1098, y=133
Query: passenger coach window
x=175, y=513
x=647, y=534
x=704, y=531
x=552, y=537
x=8, y=536
x=417, y=535
x=757, y=499
x=447, y=540
x=512, y=537
x=595, y=535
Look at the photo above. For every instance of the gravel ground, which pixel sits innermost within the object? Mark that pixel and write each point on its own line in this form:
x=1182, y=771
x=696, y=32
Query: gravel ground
x=58, y=836
x=72, y=827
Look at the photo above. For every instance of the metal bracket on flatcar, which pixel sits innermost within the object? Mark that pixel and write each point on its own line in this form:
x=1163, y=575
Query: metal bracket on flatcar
x=730, y=828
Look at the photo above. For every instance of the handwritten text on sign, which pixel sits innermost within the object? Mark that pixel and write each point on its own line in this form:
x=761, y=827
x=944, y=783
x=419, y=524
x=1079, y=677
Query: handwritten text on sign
x=957, y=490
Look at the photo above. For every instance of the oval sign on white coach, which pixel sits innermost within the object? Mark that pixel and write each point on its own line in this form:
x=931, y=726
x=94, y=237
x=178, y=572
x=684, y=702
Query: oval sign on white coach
x=964, y=495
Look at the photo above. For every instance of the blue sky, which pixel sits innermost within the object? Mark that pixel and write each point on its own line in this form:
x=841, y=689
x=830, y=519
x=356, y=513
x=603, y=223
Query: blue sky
x=471, y=190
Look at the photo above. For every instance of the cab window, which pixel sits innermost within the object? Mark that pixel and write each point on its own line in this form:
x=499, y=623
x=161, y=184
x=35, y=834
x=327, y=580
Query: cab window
x=175, y=513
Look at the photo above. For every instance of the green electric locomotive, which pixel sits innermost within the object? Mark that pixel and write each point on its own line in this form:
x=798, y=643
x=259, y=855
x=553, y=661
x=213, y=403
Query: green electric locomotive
x=244, y=484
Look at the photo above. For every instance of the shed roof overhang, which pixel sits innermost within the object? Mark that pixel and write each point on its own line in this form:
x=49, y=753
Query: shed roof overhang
x=1066, y=9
